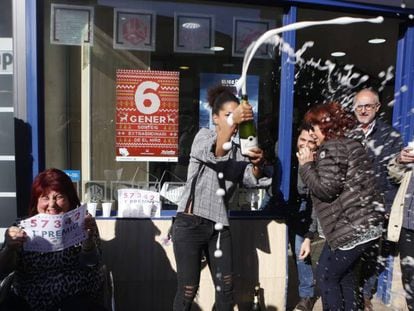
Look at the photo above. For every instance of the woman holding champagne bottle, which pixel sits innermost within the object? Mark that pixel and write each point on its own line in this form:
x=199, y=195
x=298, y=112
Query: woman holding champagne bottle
x=201, y=226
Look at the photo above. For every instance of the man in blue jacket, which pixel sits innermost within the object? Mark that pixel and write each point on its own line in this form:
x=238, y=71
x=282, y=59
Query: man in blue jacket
x=382, y=143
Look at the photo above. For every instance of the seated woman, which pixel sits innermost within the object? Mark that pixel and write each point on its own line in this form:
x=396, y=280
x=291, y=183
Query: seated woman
x=69, y=279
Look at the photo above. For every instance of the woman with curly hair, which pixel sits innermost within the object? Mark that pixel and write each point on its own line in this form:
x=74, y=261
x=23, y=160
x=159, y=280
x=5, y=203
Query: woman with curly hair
x=342, y=184
x=216, y=167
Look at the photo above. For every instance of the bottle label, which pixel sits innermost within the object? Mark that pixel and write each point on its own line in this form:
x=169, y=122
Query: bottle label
x=248, y=143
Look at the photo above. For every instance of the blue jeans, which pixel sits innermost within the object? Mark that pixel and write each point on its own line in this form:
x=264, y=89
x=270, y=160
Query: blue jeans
x=335, y=277
x=305, y=272
x=193, y=237
x=299, y=225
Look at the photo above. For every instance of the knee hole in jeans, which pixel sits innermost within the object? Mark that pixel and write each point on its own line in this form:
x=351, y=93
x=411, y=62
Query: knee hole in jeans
x=227, y=283
x=190, y=291
x=228, y=280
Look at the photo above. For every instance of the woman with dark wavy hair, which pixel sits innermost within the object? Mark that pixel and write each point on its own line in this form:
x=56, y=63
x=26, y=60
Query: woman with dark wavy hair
x=342, y=184
x=216, y=167
x=69, y=279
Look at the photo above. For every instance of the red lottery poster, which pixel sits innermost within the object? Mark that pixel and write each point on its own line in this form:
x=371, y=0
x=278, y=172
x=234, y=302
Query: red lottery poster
x=147, y=115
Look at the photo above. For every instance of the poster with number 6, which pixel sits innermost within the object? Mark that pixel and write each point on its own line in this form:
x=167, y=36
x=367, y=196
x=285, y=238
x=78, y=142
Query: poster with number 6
x=147, y=115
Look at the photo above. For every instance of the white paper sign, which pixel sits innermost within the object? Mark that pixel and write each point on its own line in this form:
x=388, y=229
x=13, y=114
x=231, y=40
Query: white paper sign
x=140, y=203
x=71, y=24
x=51, y=233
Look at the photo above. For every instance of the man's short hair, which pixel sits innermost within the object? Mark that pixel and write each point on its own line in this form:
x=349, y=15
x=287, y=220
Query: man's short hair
x=372, y=91
x=305, y=126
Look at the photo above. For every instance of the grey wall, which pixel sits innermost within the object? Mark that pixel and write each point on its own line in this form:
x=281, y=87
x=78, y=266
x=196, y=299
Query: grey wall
x=7, y=144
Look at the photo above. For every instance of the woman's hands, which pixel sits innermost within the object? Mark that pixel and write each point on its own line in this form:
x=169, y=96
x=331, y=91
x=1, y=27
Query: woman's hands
x=90, y=255
x=406, y=156
x=256, y=158
x=305, y=155
x=90, y=226
x=14, y=238
x=92, y=232
x=226, y=126
x=243, y=112
x=305, y=249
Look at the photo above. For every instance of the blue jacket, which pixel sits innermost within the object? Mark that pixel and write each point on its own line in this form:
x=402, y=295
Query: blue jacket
x=382, y=144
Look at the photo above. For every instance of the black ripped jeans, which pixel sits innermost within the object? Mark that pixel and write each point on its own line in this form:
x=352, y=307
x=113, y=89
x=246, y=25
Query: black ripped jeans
x=194, y=237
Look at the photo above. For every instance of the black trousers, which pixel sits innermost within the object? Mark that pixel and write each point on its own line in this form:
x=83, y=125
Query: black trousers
x=406, y=247
x=336, y=279
x=193, y=238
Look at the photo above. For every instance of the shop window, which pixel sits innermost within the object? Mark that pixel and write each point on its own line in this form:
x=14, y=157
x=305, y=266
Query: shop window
x=201, y=61
x=361, y=64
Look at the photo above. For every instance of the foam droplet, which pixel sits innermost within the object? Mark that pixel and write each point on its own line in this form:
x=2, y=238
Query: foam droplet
x=411, y=16
x=220, y=192
x=220, y=175
x=218, y=288
x=218, y=226
x=403, y=5
x=227, y=146
x=218, y=253
x=391, y=103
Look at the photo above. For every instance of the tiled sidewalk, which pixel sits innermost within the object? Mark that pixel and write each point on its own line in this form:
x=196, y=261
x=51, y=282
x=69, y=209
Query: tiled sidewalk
x=377, y=305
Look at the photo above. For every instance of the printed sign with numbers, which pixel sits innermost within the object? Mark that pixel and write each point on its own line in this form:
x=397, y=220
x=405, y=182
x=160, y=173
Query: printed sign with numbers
x=147, y=115
x=51, y=233
x=138, y=203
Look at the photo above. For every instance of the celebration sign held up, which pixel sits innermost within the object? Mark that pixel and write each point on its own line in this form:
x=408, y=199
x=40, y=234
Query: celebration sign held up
x=147, y=115
x=51, y=233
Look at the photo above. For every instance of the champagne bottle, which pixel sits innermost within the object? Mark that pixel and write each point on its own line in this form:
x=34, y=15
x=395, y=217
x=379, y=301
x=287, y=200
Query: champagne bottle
x=256, y=299
x=247, y=132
